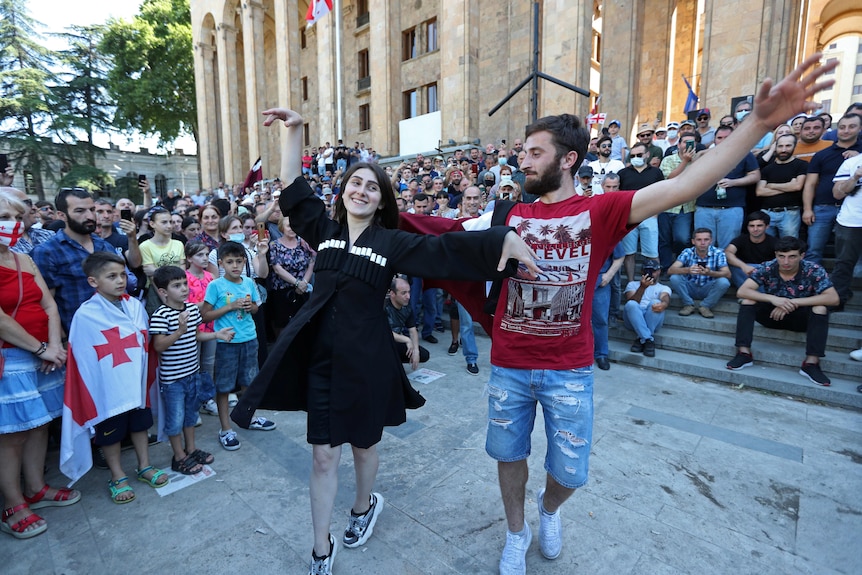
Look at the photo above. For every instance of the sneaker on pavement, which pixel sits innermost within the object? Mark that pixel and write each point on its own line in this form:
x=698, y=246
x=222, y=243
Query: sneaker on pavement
x=550, y=529
x=99, y=461
x=649, y=348
x=813, y=372
x=360, y=527
x=637, y=346
x=232, y=400
x=323, y=565
x=514, y=558
x=229, y=440
x=740, y=360
x=856, y=354
x=705, y=312
x=430, y=338
x=453, y=349
x=209, y=407
x=686, y=310
x=472, y=369
x=261, y=424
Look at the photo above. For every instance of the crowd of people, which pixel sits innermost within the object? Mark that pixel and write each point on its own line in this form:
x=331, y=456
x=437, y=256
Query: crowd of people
x=245, y=294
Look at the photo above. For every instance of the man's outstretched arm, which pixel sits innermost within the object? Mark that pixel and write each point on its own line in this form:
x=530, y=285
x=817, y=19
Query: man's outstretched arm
x=772, y=105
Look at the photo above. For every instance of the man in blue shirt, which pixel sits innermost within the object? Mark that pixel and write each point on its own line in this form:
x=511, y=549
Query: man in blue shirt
x=59, y=259
x=700, y=272
x=819, y=207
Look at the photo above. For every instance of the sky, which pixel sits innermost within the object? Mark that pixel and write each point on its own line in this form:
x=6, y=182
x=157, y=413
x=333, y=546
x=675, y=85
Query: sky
x=56, y=15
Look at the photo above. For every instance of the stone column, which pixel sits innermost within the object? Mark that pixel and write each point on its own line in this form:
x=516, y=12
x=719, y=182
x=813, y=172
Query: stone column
x=684, y=57
x=208, y=113
x=324, y=34
x=459, y=24
x=255, y=83
x=384, y=53
x=229, y=102
x=622, y=39
x=287, y=24
x=564, y=53
x=654, y=55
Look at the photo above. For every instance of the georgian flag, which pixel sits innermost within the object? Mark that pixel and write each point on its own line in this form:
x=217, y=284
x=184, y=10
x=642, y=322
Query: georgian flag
x=317, y=9
x=10, y=232
x=107, y=373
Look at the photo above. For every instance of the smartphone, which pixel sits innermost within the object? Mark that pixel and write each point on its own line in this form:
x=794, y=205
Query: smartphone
x=689, y=145
x=141, y=178
x=659, y=115
x=261, y=231
x=4, y=162
x=126, y=215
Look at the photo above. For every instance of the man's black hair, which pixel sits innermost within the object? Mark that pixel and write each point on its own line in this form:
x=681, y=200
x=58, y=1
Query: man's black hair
x=62, y=204
x=758, y=215
x=789, y=244
x=701, y=231
x=567, y=133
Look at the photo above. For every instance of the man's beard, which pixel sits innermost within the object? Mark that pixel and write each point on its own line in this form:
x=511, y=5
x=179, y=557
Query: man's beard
x=548, y=181
x=784, y=156
x=83, y=228
x=605, y=152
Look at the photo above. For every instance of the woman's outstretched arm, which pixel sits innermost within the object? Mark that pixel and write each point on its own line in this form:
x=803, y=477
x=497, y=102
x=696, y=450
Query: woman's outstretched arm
x=291, y=154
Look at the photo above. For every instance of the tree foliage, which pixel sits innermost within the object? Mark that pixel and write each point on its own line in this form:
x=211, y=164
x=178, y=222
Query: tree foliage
x=151, y=77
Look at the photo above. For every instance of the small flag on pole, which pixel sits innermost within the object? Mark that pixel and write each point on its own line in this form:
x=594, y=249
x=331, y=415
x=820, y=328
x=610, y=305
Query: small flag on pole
x=255, y=174
x=692, y=99
x=317, y=9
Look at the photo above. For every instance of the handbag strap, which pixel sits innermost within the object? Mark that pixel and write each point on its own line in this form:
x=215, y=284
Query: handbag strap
x=20, y=289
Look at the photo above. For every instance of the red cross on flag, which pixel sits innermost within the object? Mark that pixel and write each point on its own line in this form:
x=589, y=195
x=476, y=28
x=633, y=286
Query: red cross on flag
x=317, y=9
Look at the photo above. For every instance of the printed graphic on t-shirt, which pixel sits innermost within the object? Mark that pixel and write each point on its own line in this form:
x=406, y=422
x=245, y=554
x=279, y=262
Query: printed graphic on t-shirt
x=551, y=305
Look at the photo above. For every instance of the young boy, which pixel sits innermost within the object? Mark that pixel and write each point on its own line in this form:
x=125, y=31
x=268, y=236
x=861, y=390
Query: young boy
x=230, y=302
x=174, y=330
x=160, y=250
x=106, y=381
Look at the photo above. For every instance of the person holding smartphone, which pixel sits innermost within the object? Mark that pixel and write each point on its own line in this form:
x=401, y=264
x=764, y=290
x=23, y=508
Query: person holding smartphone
x=700, y=272
x=646, y=302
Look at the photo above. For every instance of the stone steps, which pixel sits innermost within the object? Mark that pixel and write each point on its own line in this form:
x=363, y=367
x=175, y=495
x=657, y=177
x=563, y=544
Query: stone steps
x=700, y=347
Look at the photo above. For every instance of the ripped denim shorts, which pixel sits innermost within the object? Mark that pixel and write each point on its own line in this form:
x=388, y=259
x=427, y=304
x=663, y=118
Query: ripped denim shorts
x=566, y=397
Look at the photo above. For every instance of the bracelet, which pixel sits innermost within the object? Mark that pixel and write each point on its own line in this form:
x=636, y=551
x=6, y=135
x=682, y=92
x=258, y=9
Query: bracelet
x=43, y=347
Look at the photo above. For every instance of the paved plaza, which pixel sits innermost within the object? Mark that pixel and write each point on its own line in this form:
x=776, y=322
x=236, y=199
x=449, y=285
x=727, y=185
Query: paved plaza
x=686, y=477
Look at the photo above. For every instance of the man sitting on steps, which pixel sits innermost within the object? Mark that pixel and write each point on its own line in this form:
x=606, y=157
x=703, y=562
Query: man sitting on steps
x=795, y=296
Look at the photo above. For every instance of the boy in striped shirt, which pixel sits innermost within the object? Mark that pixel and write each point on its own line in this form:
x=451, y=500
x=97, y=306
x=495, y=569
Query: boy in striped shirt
x=174, y=329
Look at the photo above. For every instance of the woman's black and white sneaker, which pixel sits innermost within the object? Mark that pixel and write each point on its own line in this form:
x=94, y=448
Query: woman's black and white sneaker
x=360, y=527
x=261, y=424
x=323, y=565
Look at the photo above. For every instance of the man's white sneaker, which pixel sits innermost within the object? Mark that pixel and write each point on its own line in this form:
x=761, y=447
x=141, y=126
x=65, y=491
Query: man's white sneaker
x=209, y=407
x=550, y=530
x=232, y=400
x=514, y=558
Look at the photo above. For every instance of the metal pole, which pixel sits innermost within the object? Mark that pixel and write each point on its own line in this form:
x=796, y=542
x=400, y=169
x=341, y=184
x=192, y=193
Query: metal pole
x=534, y=114
x=338, y=102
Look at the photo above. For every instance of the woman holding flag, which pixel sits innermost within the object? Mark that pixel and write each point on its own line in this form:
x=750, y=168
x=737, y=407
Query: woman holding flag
x=31, y=381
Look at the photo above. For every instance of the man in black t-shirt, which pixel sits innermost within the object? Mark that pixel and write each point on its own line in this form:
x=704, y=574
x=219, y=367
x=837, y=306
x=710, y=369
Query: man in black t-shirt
x=747, y=251
x=780, y=187
x=403, y=324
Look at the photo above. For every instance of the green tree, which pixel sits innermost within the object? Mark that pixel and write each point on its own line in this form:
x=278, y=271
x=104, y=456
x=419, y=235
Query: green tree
x=25, y=96
x=151, y=77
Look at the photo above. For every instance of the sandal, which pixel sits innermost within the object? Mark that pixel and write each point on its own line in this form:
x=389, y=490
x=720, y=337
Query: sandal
x=187, y=466
x=62, y=498
x=202, y=457
x=153, y=480
x=19, y=530
x=117, y=490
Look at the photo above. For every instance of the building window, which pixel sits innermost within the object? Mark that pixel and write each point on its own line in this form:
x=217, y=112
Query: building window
x=826, y=106
x=362, y=15
x=859, y=68
x=302, y=41
x=161, y=185
x=833, y=45
x=306, y=135
x=857, y=90
x=830, y=61
x=304, y=85
x=859, y=49
x=410, y=98
x=363, y=64
x=408, y=44
x=431, y=35
x=431, y=98
x=364, y=117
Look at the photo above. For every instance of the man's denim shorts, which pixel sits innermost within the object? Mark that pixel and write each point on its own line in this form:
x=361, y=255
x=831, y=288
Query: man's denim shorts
x=181, y=403
x=235, y=365
x=566, y=397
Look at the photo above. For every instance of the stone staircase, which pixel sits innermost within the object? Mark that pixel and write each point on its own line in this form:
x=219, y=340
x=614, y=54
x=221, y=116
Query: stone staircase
x=700, y=347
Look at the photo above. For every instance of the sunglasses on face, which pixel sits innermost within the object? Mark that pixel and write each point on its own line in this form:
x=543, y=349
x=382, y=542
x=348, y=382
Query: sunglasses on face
x=703, y=117
x=638, y=155
x=604, y=146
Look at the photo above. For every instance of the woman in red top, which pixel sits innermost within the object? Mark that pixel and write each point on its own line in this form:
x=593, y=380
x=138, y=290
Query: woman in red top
x=31, y=384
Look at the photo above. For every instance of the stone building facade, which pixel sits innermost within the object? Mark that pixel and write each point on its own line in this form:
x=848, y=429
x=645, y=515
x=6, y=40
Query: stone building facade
x=461, y=57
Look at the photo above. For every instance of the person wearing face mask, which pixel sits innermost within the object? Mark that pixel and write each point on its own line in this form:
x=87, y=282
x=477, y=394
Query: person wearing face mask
x=671, y=136
x=742, y=110
x=636, y=177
